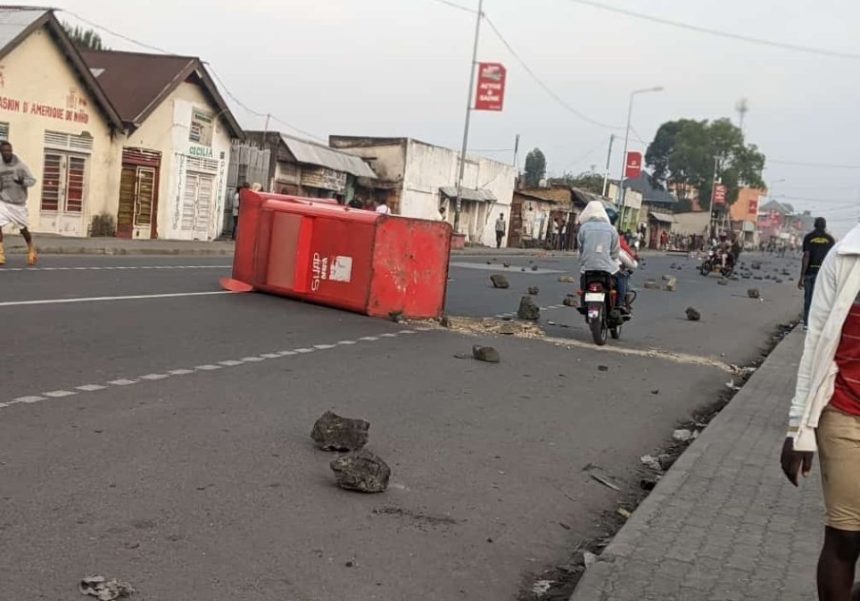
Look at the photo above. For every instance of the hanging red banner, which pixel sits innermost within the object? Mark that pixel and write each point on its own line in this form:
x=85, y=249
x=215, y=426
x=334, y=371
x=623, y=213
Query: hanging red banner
x=634, y=165
x=720, y=195
x=753, y=206
x=491, y=87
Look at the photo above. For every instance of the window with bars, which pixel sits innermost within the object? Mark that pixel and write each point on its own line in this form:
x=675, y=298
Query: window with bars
x=4, y=131
x=201, y=128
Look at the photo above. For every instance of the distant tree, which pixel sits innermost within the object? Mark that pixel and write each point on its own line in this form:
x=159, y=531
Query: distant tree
x=84, y=39
x=683, y=154
x=588, y=181
x=535, y=168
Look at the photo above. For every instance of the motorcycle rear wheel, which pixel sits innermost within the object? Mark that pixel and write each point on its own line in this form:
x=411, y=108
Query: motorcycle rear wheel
x=599, y=331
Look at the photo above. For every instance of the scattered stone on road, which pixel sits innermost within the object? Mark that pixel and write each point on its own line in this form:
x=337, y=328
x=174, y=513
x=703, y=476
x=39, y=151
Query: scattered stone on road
x=754, y=293
x=682, y=435
x=651, y=462
x=534, y=267
x=602, y=368
x=534, y=290
x=671, y=283
x=693, y=314
x=723, y=282
x=506, y=265
x=567, y=279
x=651, y=285
x=755, y=266
x=487, y=354
x=332, y=432
x=570, y=300
x=361, y=471
x=499, y=281
x=669, y=278
x=529, y=309
x=104, y=590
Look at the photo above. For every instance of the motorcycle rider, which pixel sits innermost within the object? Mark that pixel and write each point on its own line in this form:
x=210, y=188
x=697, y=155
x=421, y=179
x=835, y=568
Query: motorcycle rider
x=599, y=244
x=628, y=261
x=724, y=249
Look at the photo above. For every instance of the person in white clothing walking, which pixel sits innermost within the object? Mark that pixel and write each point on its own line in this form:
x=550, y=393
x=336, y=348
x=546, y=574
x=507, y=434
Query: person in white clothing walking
x=825, y=414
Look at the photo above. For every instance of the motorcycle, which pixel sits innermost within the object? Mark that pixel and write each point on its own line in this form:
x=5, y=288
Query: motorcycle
x=598, y=305
x=714, y=264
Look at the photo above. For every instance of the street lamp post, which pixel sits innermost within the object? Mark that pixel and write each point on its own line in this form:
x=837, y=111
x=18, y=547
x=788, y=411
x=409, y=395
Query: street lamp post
x=620, y=201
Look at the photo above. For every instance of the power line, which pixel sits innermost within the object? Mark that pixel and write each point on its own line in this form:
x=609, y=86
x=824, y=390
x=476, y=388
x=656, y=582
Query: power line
x=719, y=33
x=809, y=164
x=840, y=203
x=457, y=6
x=541, y=83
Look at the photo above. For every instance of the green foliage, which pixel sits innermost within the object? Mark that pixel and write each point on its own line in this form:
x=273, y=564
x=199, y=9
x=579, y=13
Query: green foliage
x=588, y=181
x=535, y=168
x=683, y=154
x=84, y=39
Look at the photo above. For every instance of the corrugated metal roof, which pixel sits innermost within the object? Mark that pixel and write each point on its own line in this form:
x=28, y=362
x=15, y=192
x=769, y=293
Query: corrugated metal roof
x=664, y=217
x=323, y=156
x=469, y=194
x=14, y=21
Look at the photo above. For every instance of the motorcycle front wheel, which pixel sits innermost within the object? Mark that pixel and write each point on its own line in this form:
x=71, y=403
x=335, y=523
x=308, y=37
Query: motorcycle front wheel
x=705, y=269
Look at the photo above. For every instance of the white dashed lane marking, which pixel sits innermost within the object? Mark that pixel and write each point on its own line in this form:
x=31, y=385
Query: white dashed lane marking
x=208, y=367
x=115, y=268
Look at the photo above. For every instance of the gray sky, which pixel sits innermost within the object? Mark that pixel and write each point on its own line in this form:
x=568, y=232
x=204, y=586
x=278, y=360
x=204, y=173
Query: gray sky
x=400, y=68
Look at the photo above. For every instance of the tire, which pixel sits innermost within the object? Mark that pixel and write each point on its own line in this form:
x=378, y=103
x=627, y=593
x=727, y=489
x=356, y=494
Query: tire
x=705, y=269
x=615, y=332
x=599, y=330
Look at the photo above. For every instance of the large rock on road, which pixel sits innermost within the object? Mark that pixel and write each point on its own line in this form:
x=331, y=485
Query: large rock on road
x=361, y=471
x=332, y=432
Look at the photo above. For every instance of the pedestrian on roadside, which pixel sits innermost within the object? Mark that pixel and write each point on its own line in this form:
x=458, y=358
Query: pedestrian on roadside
x=825, y=414
x=816, y=245
x=501, y=228
x=15, y=178
x=382, y=207
x=236, y=196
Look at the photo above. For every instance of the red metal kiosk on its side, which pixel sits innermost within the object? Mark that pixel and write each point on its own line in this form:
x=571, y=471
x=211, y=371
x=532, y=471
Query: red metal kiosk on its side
x=321, y=252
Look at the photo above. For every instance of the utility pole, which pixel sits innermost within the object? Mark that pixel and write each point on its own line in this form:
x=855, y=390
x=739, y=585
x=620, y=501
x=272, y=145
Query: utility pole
x=742, y=107
x=714, y=216
x=608, y=160
x=516, y=153
x=459, y=200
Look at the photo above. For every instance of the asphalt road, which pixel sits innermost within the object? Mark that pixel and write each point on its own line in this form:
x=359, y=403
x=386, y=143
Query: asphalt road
x=164, y=440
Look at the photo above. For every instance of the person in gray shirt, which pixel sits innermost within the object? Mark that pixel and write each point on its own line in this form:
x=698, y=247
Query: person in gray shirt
x=599, y=246
x=15, y=179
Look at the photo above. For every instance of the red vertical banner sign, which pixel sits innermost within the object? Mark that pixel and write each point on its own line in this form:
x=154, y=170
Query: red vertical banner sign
x=491, y=87
x=720, y=195
x=752, y=208
x=634, y=165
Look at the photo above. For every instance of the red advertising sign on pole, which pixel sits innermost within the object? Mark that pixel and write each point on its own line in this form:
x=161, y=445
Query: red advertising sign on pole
x=491, y=87
x=634, y=165
x=720, y=195
x=753, y=207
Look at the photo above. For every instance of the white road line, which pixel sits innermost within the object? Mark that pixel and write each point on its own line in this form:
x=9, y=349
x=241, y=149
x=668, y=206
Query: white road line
x=95, y=299
x=230, y=363
x=209, y=367
x=123, y=267
x=59, y=394
x=28, y=399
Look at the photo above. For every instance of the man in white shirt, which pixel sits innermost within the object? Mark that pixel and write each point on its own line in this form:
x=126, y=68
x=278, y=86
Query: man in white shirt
x=382, y=207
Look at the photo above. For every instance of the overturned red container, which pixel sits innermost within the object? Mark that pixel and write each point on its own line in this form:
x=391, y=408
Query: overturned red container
x=321, y=252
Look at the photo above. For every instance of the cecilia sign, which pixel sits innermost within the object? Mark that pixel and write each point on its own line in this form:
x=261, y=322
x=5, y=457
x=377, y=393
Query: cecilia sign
x=491, y=87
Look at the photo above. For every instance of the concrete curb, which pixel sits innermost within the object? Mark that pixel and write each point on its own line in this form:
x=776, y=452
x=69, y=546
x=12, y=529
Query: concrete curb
x=592, y=585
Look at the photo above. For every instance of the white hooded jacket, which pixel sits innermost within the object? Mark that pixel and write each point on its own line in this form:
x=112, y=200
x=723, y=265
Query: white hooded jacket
x=836, y=289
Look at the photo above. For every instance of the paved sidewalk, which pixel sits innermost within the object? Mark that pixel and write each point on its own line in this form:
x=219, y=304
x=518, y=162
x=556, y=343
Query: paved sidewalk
x=723, y=524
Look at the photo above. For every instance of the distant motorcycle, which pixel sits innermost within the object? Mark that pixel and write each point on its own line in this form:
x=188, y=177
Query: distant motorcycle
x=598, y=305
x=713, y=264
